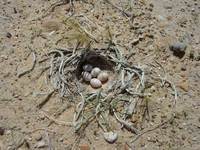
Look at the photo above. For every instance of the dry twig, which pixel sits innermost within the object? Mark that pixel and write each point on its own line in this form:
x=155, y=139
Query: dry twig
x=116, y=7
x=57, y=121
x=33, y=64
x=43, y=102
x=152, y=129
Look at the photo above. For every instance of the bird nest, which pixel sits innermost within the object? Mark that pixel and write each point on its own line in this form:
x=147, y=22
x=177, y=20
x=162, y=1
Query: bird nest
x=122, y=96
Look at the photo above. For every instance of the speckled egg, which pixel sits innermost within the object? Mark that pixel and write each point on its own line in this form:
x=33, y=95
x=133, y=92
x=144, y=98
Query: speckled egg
x=95, y=72
x=86, y=76
x=95, y=83
x=87, y=68
x=103, y=76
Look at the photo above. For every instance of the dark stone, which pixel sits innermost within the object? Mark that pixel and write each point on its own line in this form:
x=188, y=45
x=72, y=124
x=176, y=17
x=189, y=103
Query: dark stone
x=8, y=35
x=183, y=68
x=2, y=131
x=178, y=49
x=15, y=10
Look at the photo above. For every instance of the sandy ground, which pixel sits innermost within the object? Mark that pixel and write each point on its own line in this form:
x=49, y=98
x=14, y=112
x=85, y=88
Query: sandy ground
x=146, y=35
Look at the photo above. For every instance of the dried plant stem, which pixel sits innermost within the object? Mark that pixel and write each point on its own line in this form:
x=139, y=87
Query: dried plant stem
x=123, y=98
x=114, y=6
x=152, y=129
x=43, y=102
x=127, y=125
x=80, y=107
x=39, y=129
x=57, y=121
x=32, y=67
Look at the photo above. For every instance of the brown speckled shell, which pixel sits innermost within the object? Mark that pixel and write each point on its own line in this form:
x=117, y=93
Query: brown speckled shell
x=87, y=68
x=95, y=83
x=95, y=72
x=86, y=76
x=103, y=76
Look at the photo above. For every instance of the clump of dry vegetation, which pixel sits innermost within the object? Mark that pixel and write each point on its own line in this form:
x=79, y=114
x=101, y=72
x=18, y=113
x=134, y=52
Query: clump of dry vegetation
x=126, y=95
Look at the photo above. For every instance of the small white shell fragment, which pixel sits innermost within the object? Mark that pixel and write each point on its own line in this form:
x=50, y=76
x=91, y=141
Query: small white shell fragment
x=103, y=76
x=95, y=72
x=110, y=137
x=95, y=83
x=86, y=76
x=87, y=68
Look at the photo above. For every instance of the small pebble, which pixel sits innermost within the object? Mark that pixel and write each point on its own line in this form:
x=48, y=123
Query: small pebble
x=110, y=137
x=183, y=67
x=8, y=35
x=183, y=137
x=15, y=10
x=178, y=49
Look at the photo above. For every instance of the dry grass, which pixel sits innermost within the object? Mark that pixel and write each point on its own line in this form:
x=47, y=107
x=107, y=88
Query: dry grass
x=127, y=96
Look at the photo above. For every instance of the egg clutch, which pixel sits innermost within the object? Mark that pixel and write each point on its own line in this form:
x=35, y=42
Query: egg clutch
x=94, y=75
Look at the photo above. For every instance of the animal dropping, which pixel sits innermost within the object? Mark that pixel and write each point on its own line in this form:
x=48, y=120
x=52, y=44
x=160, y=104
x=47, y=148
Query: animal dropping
x=95, y=83
x=86, y=76
x=95, y=72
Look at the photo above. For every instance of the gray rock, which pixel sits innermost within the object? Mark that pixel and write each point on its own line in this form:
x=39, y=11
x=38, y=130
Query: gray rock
x=178, y=49
x=8, y=35
x=110, y=137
